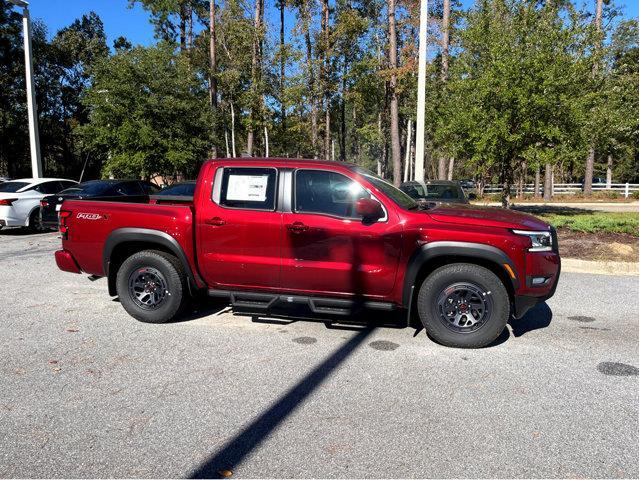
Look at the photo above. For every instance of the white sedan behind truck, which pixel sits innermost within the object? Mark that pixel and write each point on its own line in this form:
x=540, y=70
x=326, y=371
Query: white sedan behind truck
x=20, y=200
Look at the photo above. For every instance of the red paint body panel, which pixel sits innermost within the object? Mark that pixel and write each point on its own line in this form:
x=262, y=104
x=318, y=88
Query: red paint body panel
x=229, y=248
x=65, y=262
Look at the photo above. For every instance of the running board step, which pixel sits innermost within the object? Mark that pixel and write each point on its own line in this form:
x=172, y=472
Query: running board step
x=325, y=305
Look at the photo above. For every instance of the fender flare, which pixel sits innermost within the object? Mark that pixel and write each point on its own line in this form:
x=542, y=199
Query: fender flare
x=144, y=235
x=470, y=250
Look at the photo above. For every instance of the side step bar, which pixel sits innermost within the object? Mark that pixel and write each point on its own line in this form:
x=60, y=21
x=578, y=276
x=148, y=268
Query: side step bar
x=325, y=305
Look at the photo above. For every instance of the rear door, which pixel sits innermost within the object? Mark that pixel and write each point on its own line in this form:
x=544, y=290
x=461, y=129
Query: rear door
x=239, y=229
x=327, y=249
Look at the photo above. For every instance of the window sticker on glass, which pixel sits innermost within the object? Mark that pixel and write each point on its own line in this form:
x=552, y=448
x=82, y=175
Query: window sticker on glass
x=247, y=188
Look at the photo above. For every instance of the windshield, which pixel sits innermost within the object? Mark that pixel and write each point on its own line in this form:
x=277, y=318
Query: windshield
x=95, y=187
x=68, y=191
x=433, y=191
x=12, y=187
x=394, y=193
x=185, y=189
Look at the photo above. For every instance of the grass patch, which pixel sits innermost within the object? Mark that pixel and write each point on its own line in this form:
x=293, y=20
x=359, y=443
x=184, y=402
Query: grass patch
x=622, y=222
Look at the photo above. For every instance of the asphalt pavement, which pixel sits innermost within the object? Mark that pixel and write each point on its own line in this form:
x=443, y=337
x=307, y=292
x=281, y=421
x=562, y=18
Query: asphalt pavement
x=86, y=391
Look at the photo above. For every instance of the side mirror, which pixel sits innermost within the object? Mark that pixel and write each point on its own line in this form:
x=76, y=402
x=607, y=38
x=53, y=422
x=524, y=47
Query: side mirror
x=369, y=209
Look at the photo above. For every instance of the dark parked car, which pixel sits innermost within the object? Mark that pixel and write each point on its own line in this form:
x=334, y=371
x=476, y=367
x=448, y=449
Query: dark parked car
x=437, y=191
x=177, y=193
x=113, y=190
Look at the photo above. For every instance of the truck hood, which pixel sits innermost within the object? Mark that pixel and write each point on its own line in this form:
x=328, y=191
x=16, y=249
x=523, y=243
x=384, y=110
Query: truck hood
x=486, y=216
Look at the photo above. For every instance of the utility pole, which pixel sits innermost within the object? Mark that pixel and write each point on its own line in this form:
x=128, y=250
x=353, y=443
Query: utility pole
x=421, y=92
x=34, y=136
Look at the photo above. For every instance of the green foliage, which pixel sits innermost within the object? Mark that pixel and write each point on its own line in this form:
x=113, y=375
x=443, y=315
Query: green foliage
x=149, y=112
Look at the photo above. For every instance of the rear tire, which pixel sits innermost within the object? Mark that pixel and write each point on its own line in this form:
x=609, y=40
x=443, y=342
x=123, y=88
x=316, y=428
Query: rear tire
x=35, y=224
x=463, y=305
x=151, y=286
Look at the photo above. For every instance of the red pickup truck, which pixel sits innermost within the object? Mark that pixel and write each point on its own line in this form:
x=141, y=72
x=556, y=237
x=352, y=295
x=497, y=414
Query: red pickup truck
x=329, y=235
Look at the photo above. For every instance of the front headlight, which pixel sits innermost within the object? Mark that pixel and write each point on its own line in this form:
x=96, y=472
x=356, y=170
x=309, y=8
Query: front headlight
x=541, y=241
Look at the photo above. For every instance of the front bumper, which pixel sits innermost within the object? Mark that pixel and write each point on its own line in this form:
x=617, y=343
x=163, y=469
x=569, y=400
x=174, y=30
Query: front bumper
x=536, y=294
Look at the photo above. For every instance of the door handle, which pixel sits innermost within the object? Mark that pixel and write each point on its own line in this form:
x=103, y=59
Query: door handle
x=216, y=221
x=297, y=227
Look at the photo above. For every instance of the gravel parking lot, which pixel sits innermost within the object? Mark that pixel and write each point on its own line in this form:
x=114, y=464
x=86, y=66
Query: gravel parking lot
x=86, y=391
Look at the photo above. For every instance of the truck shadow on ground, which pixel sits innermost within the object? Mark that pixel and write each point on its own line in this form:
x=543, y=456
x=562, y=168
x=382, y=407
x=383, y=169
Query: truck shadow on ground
x=536, y=318
x=222, y=463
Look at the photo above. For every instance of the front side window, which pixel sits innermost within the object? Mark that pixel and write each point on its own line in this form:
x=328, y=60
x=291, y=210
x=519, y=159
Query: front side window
x=328, y=193
x=248, y=188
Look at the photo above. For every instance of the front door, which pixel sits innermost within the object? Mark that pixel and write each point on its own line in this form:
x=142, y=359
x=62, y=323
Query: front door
x=240, y=231
x=327, y=249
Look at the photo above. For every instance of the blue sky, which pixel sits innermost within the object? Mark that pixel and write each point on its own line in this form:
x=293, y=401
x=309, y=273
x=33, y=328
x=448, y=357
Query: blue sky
x=134, y=23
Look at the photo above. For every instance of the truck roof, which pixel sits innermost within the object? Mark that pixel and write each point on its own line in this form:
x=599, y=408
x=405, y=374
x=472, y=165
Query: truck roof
x=279, y=161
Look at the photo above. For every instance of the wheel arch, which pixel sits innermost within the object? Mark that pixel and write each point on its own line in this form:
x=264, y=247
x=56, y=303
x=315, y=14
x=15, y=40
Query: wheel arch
x=124, y=242
x=433, y=255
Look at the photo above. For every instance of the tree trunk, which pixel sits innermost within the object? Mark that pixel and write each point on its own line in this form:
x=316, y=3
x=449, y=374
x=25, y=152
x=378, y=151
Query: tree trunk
x=521, y=180
x=266, y=146
x=380, y=158
x=445, y=39
x=451, y=164
x=609, y=173
x=310, y=73
x=213, y=70
x=183, y=26
x=441, y=167
x=256, y=77
x=548, y=183
x=282, y=4
x=394, y=103
x=590, y=167
x=537, y=181
x=189, y=35
x=506, y=181
x=342, y=115
x=325, y=66
x=233, y=130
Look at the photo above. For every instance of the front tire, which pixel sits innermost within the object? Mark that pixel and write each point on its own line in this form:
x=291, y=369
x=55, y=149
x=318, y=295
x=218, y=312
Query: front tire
x=463, y=305
x=151, y=286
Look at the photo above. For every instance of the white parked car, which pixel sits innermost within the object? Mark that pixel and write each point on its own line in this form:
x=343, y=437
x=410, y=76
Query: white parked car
x=20, y=200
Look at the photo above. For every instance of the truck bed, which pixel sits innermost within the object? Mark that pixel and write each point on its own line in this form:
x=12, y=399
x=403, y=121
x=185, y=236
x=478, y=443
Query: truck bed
x=91, y=223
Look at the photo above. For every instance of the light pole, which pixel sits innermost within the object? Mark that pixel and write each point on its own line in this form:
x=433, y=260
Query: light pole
x=34, y=137
x=421, y=92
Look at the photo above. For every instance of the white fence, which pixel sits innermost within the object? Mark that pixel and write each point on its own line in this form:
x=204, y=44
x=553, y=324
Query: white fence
x=625, y=189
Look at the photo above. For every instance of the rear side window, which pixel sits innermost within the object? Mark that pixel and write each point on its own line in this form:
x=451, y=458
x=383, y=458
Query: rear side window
x=329, y=193
x=12, y=187
x=48, y=188
x=248, y=188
